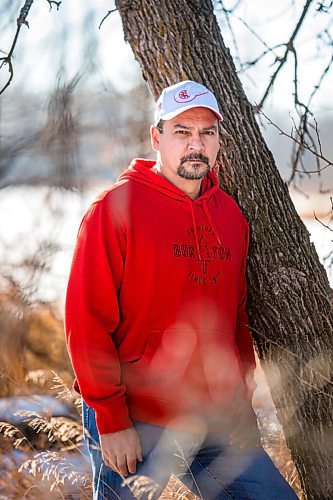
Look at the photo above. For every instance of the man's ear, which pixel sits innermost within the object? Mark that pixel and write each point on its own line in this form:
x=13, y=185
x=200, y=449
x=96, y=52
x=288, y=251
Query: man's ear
x=155, y=138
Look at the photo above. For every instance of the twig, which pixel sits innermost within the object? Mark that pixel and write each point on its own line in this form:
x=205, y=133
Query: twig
x=327, y=190
x=322, y=223
x=231, y=10
x=305, y=135
x=227, y=13
x=269, y=50
x=289, y=48
x=105, y=17
x=260, y=39
x=22, y=19
x=182, y=457
x=303, y=130
x=322, y=76
x=324, y=8
x=51, y=2
x=299, y=139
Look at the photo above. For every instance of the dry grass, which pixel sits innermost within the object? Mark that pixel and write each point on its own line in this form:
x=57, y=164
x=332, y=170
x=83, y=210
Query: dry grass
x=36, y=347
x=53, y=461
x=176, y=490
x=56, y=469
x=30, y=473
x=43, y=458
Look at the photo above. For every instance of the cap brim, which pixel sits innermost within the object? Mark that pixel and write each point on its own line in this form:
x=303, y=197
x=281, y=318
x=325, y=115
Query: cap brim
x=173, y=114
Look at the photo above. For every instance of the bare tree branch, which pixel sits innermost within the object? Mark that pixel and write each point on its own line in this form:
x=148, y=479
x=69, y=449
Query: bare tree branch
x=232, y=9
x=324, y=8
x=322, y=76
x=269, y=50
x=329, y=257
x=289, y=48
x=227, y=13
x=326, y=226
x=105, y=17
x=305, y=131
x=53, y=2
x=22, y=19
x=300, y=141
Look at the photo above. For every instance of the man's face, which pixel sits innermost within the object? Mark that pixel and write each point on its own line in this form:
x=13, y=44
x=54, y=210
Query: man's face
x=188, y=145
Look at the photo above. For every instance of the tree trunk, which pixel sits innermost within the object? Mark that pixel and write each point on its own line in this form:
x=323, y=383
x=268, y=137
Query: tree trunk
x=289, y=294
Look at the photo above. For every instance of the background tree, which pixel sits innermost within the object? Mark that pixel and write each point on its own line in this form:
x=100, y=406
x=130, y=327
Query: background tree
x=289, y=294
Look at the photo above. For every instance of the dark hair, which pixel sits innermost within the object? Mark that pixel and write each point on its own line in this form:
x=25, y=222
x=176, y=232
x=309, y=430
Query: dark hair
x=159, y=126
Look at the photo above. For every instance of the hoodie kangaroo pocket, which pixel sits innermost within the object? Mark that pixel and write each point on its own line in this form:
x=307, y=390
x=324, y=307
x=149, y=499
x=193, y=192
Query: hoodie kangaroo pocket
x=135, y=373
x=163, y=362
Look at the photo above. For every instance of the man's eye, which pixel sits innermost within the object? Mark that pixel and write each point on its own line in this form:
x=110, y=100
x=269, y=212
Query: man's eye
x=209, y=132
x=181, y=132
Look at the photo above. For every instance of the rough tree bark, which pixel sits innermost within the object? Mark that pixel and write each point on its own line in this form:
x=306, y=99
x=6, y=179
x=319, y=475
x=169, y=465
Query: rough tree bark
x=289, y=294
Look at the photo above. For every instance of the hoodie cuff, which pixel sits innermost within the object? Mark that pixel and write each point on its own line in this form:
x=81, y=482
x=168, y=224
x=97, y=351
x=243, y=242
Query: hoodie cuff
x=113, y=418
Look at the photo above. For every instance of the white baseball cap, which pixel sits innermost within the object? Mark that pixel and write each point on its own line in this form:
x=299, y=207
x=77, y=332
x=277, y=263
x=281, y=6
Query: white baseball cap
x=182, y=96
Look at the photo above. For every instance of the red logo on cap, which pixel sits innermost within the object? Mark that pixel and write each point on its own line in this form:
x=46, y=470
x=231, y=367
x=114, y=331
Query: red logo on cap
x=183, y=96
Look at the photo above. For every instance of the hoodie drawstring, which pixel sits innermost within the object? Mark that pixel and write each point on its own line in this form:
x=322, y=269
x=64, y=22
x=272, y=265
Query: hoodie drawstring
x=211, y=223
x=195, y=231
x=210, y=220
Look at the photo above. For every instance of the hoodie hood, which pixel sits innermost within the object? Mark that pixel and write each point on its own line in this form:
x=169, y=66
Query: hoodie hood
x=140, y=170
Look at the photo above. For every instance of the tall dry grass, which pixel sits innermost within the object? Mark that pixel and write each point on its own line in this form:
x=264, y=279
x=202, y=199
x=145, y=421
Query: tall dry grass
x=53, y=464
x=44, y=456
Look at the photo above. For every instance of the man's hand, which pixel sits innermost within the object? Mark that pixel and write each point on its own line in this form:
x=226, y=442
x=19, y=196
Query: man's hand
x=121, y=450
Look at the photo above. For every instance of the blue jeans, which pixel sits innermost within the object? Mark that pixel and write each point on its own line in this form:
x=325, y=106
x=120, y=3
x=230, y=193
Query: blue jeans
x=207, y=465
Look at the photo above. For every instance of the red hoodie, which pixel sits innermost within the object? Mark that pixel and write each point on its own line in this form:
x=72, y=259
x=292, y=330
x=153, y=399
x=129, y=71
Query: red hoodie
x=155, y=313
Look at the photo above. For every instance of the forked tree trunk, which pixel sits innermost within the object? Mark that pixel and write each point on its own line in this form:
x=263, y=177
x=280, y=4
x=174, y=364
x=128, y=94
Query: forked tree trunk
x=289, y=294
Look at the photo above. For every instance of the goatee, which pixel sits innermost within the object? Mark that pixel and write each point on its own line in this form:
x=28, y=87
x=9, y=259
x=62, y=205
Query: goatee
x=195, y=171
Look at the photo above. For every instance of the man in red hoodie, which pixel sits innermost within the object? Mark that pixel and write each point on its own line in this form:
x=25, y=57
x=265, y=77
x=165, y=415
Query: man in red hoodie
x=156, y=320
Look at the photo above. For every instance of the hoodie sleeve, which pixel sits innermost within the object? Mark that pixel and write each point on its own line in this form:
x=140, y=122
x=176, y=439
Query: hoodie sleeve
x=243, y=335
x=92, y=315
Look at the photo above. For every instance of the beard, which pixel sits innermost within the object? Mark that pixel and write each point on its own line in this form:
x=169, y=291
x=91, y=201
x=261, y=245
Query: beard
x=197, y=169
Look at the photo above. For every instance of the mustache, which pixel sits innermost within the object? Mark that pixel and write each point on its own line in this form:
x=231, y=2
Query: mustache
x=194, y=156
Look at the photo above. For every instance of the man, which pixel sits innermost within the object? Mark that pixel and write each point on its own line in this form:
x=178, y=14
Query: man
x=156, y=320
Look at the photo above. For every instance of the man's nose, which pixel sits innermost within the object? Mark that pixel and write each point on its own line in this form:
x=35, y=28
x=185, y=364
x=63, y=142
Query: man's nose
x=196, y=143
